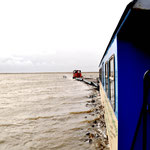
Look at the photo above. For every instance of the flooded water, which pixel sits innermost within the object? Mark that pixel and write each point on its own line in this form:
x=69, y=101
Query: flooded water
x=44, y=112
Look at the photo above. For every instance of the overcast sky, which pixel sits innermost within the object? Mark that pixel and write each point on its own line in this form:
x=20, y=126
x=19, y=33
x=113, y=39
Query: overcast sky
x=56, y=35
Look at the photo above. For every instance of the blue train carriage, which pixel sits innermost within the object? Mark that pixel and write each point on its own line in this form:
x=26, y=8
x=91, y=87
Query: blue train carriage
x=125, y=80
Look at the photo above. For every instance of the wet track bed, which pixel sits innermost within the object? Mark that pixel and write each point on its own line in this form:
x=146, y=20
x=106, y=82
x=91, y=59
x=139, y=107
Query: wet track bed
x=96, y=132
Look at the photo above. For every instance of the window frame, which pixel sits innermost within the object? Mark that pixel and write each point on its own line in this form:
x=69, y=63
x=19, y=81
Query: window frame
x=100, y=74
x=112, y=78
x=106, y=69
x=112, y=57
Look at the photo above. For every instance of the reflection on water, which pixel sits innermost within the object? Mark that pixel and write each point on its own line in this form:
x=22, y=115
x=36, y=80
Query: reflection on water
x=43, y=111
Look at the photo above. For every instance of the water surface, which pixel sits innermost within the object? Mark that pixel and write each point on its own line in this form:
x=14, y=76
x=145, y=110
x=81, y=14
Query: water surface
x=37, y=112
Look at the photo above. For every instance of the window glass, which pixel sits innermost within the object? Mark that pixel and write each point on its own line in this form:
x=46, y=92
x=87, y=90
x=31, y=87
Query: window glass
x=106, y=70
x=103, y=74
x=100, y=74
x=111, y=62
x=106, y=77
x=112, y=82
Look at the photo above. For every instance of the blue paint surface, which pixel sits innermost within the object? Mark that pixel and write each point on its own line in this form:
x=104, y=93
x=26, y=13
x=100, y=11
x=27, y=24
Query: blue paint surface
x=130, y=91
x=132, y=60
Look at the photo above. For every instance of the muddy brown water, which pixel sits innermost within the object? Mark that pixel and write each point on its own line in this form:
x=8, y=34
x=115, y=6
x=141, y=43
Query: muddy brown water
x=44, y=112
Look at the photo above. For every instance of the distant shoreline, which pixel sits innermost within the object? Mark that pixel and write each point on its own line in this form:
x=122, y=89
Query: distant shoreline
x=42, y=72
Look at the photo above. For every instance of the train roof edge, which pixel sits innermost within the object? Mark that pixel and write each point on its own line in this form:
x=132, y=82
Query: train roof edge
x=121, y=21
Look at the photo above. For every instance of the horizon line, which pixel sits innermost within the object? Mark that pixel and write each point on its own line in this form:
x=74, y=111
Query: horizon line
x=45, y=72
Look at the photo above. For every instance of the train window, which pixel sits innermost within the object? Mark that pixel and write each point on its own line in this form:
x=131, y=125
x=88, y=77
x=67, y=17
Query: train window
x=103, y=74
x=100, y=74
x=112, y=81
x=111, y=64
x=106, y=69
x=106, y=77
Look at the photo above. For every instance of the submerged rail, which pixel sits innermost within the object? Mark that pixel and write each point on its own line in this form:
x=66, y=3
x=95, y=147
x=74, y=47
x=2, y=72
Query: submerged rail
x=89, y=81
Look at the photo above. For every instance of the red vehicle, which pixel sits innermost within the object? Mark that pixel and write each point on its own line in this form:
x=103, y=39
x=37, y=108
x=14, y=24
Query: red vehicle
x=77, y=74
